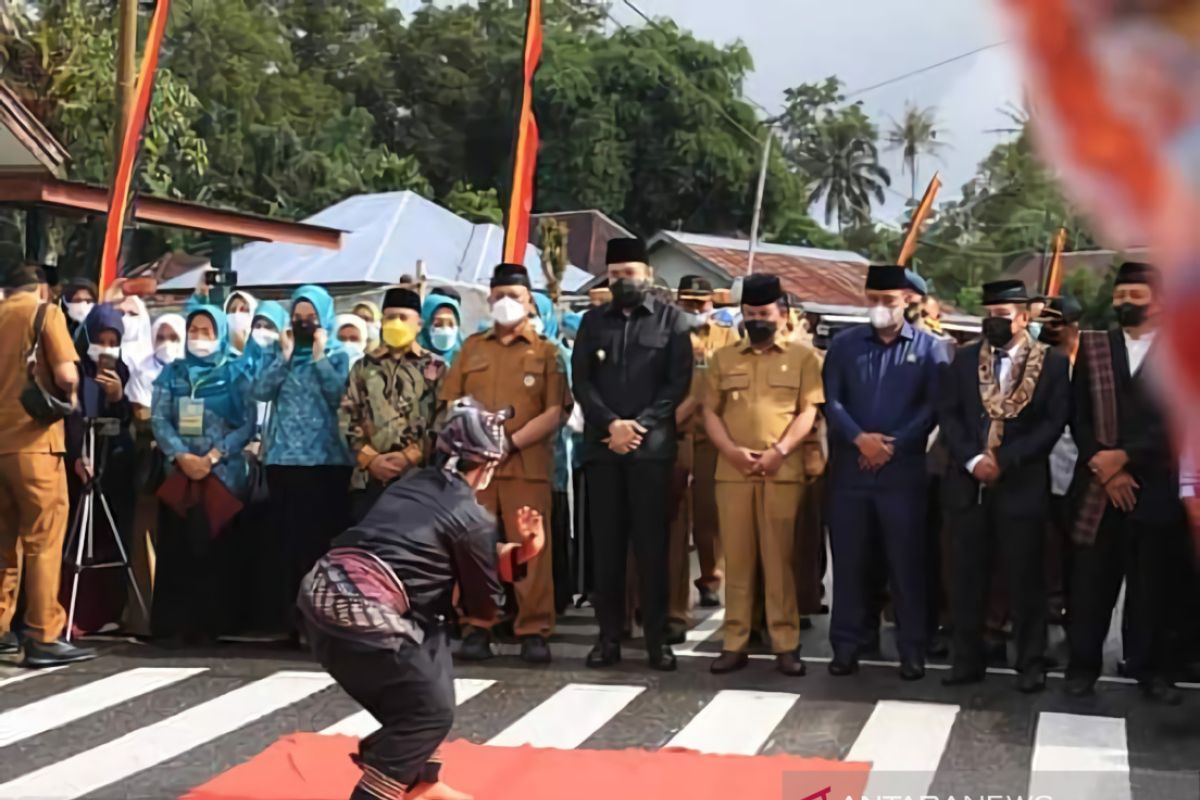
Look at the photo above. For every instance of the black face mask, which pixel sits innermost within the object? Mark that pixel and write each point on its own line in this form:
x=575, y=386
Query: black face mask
x=627, y=293
x=998, y=331
x=760, y=331
x=1130, y=315
x=913, y=313
x=1051, y=335
x=304, y=330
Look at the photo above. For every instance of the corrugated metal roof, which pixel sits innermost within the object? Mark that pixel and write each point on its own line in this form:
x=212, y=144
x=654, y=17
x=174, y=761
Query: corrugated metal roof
x=386, y=234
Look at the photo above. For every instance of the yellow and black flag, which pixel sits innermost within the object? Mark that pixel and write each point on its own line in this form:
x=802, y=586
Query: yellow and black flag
x=1054, y=276
x=119, y=201
x=918, y=219
x=525, y=145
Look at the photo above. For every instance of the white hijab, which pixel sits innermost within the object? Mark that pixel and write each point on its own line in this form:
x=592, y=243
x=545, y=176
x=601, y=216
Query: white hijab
x=145, y=372
x=137, y=342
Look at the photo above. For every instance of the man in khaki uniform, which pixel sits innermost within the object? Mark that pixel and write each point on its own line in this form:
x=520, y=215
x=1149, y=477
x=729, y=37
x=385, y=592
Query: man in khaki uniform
x=760, y=404
x=696, y=509
x=33, y=480
x=511, y=365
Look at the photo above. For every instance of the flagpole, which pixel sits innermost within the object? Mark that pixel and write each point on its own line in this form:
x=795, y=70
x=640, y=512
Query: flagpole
x=918, y=219
x=758, y=200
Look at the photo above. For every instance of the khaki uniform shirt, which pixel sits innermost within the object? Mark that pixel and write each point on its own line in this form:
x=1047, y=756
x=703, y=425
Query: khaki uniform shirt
x=706, y=341
x=526, y=374
x=18, y=431
x=757, y=394
x=389, y=407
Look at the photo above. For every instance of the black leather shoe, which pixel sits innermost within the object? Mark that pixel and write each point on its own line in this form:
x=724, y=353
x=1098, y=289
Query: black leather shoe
x=1080, y=687
x=675, y=633
x=911, y=669
x=535, y=650
x=53, y=654
x=604, y=654
x=790, y=664
x=806, y=623
x=728, y=661
x=661, y=658
x=9, y=644
x=1161, y=692
x=476, y=646
x=964, y=678
x=840, y=668
x=1031, y=681
x=709, y=598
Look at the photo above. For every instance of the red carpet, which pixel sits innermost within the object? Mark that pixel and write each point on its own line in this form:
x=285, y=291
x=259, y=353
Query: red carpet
x=313, y=767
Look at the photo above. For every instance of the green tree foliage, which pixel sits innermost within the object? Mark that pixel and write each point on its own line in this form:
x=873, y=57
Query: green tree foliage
x=915, y=134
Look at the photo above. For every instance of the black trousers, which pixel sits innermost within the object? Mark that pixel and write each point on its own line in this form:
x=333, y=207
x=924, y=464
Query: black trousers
x=410, y=691
x=309, y=506
x=1142, y=555
x=982, y=533
x=628, y=503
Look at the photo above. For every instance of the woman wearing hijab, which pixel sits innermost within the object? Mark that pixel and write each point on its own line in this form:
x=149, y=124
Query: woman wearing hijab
x=202, y=418
x=307, y=459
x=352, y=333
x=369, y=313
x=166, y=336
x=103, y=378
x=78, y=299
x=262, y=346
x=240, y=310
x=441, y=326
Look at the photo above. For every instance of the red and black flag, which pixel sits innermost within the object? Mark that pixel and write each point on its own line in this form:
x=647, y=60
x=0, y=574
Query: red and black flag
x=525, y=146
x=119, y=201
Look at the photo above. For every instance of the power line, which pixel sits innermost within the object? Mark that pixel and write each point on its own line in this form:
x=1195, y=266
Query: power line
x=926, y=68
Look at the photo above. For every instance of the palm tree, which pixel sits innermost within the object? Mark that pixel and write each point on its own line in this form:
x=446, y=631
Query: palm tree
x=916, y=134
x=844, y=167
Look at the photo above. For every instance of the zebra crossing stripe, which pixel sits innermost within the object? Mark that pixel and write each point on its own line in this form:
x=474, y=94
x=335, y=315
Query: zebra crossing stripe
x=1080, y=756
x=702, y=632
x=146, y=747
x=735, y=722
x=25, y=675
x=904, y=743
x=362, y=724
x=66, y=707
x=568, y=717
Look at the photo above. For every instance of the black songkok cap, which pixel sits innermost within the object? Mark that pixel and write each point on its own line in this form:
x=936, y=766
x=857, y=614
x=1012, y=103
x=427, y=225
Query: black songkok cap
x=511, y=275
x=694, y=287
x=626, y=251
x=887, y=277
x=1136, y=272
x=1010, y=290
x=401, y=297
x=761, y=289
x=1066, y=307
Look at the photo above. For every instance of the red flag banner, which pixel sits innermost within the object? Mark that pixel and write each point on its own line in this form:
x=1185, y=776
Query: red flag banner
x=131, y=144
x=520, y=202
x=1054, y=276
x=918, y=219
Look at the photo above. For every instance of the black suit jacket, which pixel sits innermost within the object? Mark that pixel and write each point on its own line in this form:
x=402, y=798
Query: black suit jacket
x=1023, y=455
x=1143, y=434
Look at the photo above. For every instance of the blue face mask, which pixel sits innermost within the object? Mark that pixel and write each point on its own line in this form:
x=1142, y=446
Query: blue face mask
x=443, y=339
x=1035, y=330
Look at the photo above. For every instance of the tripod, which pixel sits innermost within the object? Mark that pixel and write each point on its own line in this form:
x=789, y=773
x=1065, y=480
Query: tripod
x=82, y=536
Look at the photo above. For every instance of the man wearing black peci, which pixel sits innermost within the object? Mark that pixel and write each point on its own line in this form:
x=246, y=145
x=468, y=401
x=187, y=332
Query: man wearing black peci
x=632, y=367
x=1004, y=401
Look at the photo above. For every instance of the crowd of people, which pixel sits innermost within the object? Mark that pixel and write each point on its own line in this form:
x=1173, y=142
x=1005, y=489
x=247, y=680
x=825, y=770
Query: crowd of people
x=973, y=494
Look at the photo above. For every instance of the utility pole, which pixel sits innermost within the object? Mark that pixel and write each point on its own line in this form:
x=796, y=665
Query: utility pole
x=758, y=199
x=127, y=46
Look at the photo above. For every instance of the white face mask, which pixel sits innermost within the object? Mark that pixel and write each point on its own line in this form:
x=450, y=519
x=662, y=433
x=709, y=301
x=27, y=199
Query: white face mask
x=168, y=352
x=99, y=351
x=884, y=317
x=539, y=327
x=373, y=330
x=354, y=349
x=202, y=348
x=79, y=311
x=507, y=312
x=239, y=324
x=265, y=337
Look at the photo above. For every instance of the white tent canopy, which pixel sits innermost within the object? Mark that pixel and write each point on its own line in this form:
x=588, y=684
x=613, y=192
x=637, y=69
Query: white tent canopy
x=385, y=236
